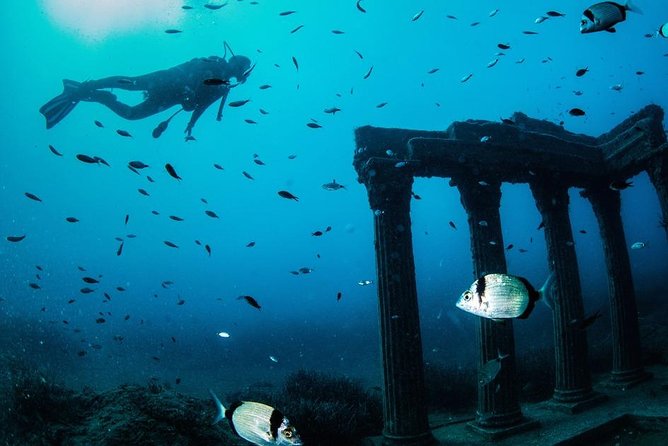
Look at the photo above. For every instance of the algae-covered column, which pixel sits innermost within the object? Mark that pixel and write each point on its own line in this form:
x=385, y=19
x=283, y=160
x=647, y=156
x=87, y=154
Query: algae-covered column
x=658, y=174
x=573, y=389
x=498, y=412
x=404, y=402
x=626, y=355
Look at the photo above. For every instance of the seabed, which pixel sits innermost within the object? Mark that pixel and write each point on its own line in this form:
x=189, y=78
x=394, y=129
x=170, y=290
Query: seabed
x=635, y=415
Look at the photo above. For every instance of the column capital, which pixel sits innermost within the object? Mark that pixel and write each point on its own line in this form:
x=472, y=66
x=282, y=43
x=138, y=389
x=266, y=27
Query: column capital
x=387, y=186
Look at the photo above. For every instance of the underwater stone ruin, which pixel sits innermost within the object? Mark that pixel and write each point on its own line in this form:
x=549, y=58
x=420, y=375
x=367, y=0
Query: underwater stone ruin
x=478, y=156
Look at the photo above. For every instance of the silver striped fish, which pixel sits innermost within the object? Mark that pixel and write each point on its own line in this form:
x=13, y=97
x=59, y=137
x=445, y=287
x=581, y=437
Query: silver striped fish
x=258, y=423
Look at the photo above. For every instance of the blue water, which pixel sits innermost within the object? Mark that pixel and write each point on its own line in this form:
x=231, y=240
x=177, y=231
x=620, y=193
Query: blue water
x=301, y=323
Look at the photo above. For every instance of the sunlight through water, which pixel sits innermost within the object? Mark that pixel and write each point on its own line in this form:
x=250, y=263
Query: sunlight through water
x=99, y=19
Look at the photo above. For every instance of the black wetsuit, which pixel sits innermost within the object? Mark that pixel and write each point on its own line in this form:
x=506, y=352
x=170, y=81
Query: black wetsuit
x=180, y=85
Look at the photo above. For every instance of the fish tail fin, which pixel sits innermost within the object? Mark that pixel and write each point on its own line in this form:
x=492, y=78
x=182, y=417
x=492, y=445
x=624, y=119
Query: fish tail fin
x=630, y=6
x=57, y=108
x=221, y=409
x=546, y=291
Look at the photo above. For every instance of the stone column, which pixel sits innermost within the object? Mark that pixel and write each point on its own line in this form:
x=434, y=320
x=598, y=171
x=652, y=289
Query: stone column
x=404, y=403
x=658, y=174
x=498, y=413
x=626, y=355
x=573, y=388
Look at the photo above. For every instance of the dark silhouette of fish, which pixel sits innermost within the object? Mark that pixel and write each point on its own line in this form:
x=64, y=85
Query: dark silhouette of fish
x=72, y=220
x=170, y=244
x=250, y=244
x=99, y=124
x=287, y=195
x=368, y=73
x=296, y=29
x=124, y=133
x=54, y=151
x=86, y=159
x=250, y=300
x=15, y=238
x=171, y=171
x=173, y=31
x=359, y=6
x=238, y=103
x=32, y=196
x=211, y=214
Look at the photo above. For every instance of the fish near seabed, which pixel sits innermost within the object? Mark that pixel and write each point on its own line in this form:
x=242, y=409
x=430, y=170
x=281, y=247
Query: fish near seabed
x=604, y=16
x=502, y=296
x=257, y=423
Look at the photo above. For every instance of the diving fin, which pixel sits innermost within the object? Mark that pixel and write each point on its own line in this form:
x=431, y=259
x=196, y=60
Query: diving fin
x=57, y=108
x=157, y=132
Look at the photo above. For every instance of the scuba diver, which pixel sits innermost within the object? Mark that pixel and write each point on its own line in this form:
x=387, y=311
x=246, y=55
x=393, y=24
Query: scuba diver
x=194, y=85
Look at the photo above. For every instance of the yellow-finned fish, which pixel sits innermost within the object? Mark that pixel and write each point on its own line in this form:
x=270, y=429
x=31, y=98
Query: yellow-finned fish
x=502, y=296
x=258, y=423
x=604, y=16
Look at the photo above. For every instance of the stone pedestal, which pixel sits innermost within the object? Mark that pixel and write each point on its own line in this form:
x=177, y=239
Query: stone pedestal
x=626, y=353
x=404, y=403
x=498, y=412
x=572, y=374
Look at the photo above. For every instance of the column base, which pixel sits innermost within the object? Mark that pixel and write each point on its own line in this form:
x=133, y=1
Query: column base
x=576, y=406
x=627, y=379
x=425, y=439
x=497, y=433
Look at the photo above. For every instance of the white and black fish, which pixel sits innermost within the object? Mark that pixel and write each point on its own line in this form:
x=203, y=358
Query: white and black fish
x=258, y=423
x=333, y=186
x=604, y=16
x=502, y=296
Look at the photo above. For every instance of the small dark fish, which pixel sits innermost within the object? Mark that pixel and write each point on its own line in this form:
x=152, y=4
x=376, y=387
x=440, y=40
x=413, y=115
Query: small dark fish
x=81, y=268
x=250, y=244
x=120, y=288
x=582, y=324
x=175, y=218
x=475, y=24
x=264, y=112
x=127, y=316
x=138, y=164
x=238, y=103
x=328, y=228
x=433, y=70
x=251, y=301
x=416, y=196
x=177, y=381
x=131, y=236
x=296, y=64
x=100, y=320
x=452, y=225
x=99, y=124
x=218, y=166
x=208, y=249
x=294, y=273
x=127, y=217
x=317, y=233
x=101, y=161
x=86, y=159
x=32, y=196
x=620, y=184
x=124, y=133
x=296, y=29
x=503, y=46
x=582, y=71
x=180, y=302
x=155, y=212
x=582, y=231
x=143, y=191
x=71, y=301
x=417, y=16
x=359, y=54
x=305, y=270
x=170, y=244
x=576, y=112
x=541, y=225
x=313, y=125
x=86, y=290
x=204, y=200
x=285, y=13
x=90, y=280
x=529, y=33
x=34, y=286
x=247, y=175
x=82, y=353
x=250, y=121
x=522, y=250
x=381, y=105
x=339, y=295
x=555, y=14
x=291, y=157
x=171, y=171
x=451, y=17
x=211, y=214
x=216, y=81
x=509, y=247
x=332, y=110
x=54, y=151
x=133, y=170
x=337, y=31
x=287, y=195
x=359, y=6
x=173, y=31
x=264, y=87
x=368, y=73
